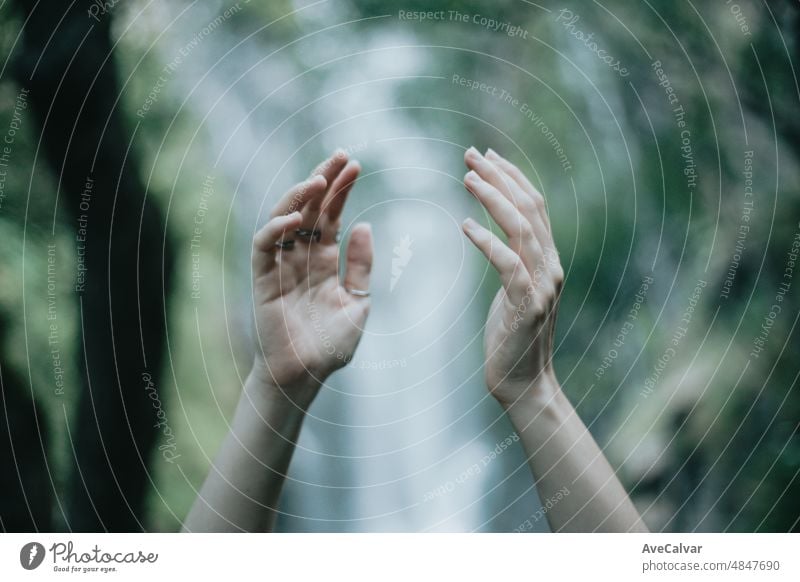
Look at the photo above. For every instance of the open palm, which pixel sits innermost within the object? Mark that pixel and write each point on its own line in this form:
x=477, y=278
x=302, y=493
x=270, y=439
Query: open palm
x=521, y=323
x=308, y=323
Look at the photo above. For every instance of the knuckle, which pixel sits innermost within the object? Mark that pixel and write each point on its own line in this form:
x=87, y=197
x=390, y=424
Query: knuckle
x=524, y=285
x=524, y=203
x=514, y=265
x=526, y=231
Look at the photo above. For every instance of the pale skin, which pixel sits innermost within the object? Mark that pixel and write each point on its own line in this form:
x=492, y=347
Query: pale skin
x=298, y=292
x=299, y=299
x=519, y=342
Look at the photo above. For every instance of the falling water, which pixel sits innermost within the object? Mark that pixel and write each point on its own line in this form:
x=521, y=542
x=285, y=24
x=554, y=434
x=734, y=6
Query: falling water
x=402, y=439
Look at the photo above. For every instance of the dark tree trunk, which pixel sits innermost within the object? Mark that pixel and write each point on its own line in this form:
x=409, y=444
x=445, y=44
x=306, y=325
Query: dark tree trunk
x=25, y=490
x=73, y=92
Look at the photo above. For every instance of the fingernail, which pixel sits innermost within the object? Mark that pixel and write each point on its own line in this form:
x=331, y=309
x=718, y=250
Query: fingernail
x=470, y=224
x=473, y=153
x=471, y=176
x=491, y=153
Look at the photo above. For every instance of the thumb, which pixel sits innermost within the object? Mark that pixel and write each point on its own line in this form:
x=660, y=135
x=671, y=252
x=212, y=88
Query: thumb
x=359, y=258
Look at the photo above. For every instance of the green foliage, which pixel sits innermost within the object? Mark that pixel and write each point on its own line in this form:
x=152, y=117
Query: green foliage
x=715, y=446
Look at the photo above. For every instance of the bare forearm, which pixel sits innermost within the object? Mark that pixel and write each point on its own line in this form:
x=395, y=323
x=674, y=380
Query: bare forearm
x=297, y=295
x=569, y=468
x=243, y=486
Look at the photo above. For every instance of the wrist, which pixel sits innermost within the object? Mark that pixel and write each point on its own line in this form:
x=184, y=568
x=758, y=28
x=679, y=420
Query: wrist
x=265, y=390
x=264, y=412
x=542, y=395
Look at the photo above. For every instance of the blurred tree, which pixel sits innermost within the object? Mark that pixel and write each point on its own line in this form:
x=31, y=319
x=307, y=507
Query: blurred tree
x=66, y=61
x=25, y=497
x=718, y=453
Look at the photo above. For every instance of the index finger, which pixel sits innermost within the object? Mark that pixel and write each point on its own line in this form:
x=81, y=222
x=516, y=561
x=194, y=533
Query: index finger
x=520, y=178
x=265, y=239
x=296, y=198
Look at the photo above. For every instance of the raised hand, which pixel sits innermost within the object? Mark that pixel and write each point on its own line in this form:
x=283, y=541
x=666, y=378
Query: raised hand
x=308, y=325
x=568, y=467
x=308, y=322
x=521, y=323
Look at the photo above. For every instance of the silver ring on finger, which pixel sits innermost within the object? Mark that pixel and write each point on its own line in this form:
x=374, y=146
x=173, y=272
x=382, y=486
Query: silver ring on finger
x=309, y=234
x=285, y=245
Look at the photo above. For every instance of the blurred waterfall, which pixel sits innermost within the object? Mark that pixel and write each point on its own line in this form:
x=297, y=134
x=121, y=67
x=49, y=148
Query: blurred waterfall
x=400, y=438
